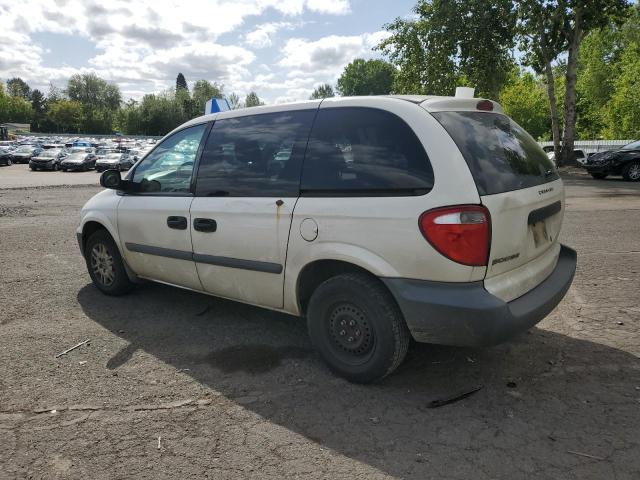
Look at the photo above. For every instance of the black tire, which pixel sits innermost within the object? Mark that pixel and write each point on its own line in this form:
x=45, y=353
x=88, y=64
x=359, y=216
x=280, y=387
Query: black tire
x=631, y=172
x=9, y=163
x=105, y=265
x=357, y=327
x=599, y=176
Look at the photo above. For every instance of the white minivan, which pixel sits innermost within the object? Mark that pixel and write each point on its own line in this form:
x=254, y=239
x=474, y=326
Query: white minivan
x=378, y=219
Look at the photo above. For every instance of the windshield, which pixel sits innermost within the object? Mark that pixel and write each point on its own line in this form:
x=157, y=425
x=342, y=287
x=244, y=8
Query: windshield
x=500, y=154
x=112, y=156
x=24, y=148
x=49, y=153
x=632, y=146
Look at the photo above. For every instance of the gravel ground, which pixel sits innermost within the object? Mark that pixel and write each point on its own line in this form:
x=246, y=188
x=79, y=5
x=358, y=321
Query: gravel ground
x=174, y=384
x=19, y=175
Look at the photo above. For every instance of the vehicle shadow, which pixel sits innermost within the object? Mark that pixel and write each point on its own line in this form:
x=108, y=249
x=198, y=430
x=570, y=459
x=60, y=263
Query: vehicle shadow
x=544, y=394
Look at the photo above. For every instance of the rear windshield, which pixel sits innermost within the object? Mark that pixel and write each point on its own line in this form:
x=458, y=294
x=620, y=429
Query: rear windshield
x=500, y=154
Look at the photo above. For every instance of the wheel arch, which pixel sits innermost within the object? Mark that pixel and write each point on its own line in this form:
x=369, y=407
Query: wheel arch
x=313, y=274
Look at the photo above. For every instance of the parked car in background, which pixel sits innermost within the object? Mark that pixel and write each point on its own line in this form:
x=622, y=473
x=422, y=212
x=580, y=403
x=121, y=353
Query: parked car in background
x=624, y=161
x=47, y=160
x=23, y=153
x=376, y=219
x=580, y=155
x=5, y=156
x=103, y=151
x=119, y=161
x=79, y=161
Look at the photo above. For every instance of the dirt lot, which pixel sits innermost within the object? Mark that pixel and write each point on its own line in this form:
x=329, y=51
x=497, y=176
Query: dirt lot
x=175, y=384
x=19, y=175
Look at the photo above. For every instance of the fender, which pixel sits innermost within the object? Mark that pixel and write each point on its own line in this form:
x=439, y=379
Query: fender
x=344, y=252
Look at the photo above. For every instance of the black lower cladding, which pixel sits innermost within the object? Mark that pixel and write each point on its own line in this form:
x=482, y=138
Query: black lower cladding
x=254, y=265
x=466, y=314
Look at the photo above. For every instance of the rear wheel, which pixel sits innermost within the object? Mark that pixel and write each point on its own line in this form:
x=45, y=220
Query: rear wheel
x=599, y=176
x=9, y=163
x=357, y=327
x=631, y=172
x=105, y=265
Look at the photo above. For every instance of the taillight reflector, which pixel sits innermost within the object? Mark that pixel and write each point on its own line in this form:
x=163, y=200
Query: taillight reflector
x=461, y=233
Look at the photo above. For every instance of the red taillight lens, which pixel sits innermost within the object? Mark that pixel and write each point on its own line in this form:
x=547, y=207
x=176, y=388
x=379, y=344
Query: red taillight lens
x=461, y=233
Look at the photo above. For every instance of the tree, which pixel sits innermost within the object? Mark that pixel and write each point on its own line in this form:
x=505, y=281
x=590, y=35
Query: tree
x=322, y=91
x=181, y=83
x=452, y=42
x=39, y=107
x=90, y=90
x=16, y=87
x=65, y=115
x=525, y=100
x=366, y=77
x=252, y=100
x=14, y=108
x=539, y=34
x=203, y=91
x=234, y=101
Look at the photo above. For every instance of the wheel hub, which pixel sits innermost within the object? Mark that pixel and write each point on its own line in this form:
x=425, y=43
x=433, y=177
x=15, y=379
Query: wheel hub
x=350, y=330
x=634, y=171
x=102, y=264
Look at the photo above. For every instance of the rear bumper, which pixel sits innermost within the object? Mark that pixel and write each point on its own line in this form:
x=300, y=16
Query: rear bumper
x=466, y=314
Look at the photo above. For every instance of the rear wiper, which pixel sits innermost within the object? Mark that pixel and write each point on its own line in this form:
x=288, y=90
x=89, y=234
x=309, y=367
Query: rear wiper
x=548, y=173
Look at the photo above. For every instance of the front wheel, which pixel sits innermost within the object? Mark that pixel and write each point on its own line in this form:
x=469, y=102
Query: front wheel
x=105, y=265
x=357, y=327
x=631, y=172
x=599, y=176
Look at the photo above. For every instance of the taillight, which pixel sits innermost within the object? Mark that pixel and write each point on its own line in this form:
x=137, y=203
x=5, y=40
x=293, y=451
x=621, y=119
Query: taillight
x=461, y=233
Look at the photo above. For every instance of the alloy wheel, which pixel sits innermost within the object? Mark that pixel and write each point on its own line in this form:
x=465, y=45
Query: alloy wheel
x=102, y=264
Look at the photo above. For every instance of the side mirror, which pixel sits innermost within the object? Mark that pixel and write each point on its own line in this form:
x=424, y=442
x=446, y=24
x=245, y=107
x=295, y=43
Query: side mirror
x=111, y=179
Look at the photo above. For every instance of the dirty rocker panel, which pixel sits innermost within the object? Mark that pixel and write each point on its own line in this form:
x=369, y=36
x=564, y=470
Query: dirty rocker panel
x=253, y=265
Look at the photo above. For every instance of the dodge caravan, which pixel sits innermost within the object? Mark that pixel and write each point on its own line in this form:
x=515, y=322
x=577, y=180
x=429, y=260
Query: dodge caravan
x=377, y=219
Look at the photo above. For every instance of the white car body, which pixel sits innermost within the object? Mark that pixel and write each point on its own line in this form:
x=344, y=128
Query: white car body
x=278, y=239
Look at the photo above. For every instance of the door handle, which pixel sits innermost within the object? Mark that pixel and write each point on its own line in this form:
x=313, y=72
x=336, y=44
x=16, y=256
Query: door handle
x=178, y=223
x=207, y=225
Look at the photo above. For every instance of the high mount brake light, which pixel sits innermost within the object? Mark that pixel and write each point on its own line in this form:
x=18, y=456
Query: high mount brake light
x=461, y=233
x=485, y=105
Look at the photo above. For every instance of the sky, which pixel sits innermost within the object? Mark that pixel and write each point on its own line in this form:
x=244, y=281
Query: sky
x=282, y=49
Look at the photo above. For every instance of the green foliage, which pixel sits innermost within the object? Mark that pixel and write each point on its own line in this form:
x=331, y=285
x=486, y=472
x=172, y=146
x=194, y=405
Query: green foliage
x=66, y=115
x=623, y=110
x=14, y=108
x=252, y=100
x=366, y=77
x=181, y=83
x=234, y=101
x=525, y=100
x=322, y=91
x=16, y=87
x=451, y=40
x=203, y=91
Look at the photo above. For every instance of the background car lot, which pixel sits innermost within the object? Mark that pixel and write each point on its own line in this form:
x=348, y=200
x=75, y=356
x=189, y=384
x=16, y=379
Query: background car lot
x=235, y=391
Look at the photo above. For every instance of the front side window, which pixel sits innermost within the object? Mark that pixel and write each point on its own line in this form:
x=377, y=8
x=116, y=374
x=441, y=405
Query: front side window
x=170, y=166
x=255, y=156
x=364, y=152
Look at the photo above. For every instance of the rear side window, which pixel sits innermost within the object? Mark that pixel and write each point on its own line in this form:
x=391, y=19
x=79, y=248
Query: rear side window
x=364, y=152
x=501, y=155
x=255, y=156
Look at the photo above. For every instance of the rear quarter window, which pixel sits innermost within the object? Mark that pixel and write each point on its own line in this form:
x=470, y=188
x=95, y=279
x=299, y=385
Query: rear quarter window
x=501, y=155
x=359, y=151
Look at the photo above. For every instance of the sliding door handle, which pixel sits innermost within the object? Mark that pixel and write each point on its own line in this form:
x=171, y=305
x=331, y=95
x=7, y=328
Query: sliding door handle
x=206, y=225
x=178, y=223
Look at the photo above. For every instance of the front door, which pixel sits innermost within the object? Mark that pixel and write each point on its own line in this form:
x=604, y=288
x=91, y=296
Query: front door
x=246, y=190
x=153, y=222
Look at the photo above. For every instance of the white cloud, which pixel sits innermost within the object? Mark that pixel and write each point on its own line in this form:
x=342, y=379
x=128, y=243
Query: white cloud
x=142, y=45
x=262, y=36
x=327, y=55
